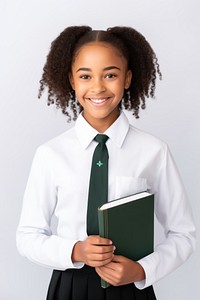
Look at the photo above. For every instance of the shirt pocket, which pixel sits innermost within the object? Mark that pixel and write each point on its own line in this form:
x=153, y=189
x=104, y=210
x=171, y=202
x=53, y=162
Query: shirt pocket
x=126, y=186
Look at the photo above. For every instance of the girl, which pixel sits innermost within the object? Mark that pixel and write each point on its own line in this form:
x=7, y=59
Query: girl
x=91, y=75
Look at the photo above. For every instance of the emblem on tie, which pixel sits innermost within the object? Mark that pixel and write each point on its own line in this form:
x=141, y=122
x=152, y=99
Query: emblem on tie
x=99, y=164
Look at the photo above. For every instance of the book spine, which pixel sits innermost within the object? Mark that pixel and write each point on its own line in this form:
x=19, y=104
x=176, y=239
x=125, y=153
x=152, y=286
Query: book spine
x=103, y=223
x=103, y=232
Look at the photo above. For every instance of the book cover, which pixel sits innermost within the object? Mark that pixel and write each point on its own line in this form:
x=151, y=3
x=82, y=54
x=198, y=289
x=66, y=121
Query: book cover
x=129, y=223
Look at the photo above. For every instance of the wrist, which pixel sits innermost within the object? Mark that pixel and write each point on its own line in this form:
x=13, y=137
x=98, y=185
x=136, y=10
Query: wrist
x=140, y=272
x=76, y=253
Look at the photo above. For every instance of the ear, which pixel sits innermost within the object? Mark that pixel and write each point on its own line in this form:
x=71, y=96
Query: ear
x=128, y=79
x=71, y=80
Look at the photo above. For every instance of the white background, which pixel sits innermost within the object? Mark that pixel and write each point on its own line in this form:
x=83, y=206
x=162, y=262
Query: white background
x=26, y=31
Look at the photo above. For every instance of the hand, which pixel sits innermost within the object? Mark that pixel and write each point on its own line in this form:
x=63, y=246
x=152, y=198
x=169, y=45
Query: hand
x=94, y=251
x=121, y=271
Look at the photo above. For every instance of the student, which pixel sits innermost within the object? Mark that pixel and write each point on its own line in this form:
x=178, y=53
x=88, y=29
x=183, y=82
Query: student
x=92, y=76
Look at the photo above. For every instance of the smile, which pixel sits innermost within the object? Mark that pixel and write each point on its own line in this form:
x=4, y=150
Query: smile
x=98, y=100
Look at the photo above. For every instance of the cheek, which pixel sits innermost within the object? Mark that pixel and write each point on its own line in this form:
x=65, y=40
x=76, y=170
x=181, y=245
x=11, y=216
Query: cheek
x=79, y=90
x=80, y=96
x=120, y=90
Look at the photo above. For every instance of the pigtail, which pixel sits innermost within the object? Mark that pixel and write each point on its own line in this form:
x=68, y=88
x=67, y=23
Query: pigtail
x=144, y=65
x=57, y=68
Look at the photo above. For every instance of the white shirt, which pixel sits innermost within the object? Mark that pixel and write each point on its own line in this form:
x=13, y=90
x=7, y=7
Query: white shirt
x=58, y=184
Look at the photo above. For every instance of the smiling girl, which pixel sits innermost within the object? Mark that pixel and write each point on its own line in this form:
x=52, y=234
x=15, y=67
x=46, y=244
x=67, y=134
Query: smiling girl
x=92, y=76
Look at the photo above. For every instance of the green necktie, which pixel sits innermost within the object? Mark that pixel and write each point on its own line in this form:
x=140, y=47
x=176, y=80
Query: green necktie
x=98, y=188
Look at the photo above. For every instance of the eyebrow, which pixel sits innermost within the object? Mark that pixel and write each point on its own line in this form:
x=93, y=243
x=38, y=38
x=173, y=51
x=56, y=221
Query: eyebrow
x=105, y=69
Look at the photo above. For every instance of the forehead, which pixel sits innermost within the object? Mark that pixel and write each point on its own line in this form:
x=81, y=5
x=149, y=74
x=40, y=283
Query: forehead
x=98, y=52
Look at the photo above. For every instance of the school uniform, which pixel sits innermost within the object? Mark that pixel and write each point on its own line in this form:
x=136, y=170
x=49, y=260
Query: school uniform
x=58, y=184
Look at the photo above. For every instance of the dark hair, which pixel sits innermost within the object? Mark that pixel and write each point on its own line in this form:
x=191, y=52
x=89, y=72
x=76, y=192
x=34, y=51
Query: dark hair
x=141, y=59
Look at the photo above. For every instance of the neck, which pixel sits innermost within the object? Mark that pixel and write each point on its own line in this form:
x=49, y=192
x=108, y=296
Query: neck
x=102, y=124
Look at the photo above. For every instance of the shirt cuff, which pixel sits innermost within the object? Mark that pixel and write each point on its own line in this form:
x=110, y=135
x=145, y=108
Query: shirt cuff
x=147, y=263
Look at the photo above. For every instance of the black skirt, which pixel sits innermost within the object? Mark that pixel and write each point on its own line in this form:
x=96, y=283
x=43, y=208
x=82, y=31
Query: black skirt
x=84, y=284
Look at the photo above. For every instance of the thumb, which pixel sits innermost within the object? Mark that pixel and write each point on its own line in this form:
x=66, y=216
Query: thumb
x=118, y=258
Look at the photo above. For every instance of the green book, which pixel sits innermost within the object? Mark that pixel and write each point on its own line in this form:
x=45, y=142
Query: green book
x=129, y=223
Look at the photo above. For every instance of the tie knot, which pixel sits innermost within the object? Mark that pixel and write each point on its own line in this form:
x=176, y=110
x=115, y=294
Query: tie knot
x=101, y=138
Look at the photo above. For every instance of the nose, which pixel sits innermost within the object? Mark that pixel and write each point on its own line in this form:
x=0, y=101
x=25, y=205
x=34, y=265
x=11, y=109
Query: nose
x=97, y=86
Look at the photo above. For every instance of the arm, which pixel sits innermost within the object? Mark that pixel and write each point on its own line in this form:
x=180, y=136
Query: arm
x=34, y=236
x=173, y=211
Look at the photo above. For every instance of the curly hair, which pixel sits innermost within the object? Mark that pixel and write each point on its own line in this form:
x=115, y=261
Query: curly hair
x=140, y=56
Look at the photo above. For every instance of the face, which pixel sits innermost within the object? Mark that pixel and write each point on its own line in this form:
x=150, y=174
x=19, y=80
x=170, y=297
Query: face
x=99, y=76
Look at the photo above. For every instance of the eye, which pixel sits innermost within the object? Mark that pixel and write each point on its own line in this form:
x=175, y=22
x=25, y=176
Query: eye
x=85, y=77
x=110, y=76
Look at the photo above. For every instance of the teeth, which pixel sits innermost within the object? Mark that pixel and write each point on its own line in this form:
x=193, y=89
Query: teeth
x=98, y=100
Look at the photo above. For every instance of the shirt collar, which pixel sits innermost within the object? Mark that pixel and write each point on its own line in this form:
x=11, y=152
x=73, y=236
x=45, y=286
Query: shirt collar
x=116, y=132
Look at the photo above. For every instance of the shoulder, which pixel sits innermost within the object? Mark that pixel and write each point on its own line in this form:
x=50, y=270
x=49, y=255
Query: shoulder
x=146, y=136
x=145, y=140
x=134, y=134
x=61, y=143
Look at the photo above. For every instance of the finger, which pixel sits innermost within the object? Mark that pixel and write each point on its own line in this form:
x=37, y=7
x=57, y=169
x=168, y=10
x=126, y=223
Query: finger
x=109, y=277
x=111, y=273
x=97, y=240
x=118, y=258
x=96, y=261
x=102, y=249
x=102, y=257
x=109, y=268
